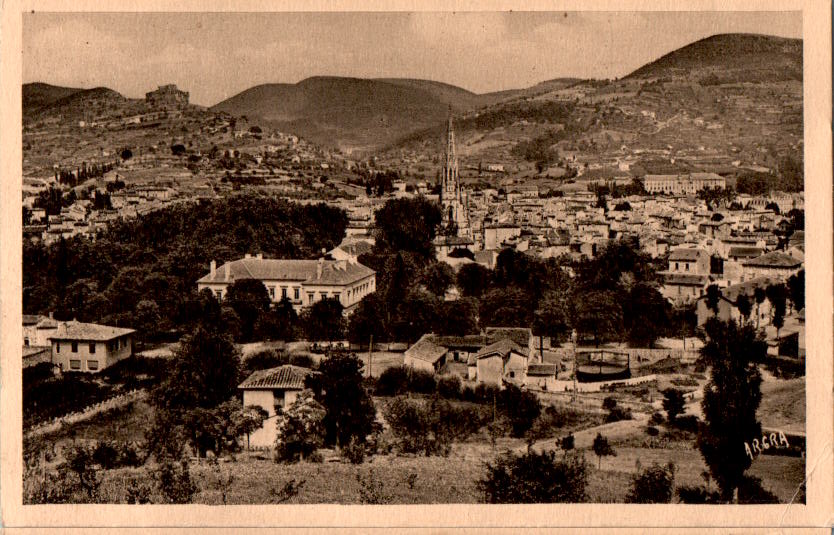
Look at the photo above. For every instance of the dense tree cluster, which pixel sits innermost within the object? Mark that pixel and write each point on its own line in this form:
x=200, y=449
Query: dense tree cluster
x=82, y=173
x=155, y=260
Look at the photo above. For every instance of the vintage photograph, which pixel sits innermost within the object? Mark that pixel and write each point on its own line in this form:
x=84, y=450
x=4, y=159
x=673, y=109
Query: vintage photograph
x=413, y=258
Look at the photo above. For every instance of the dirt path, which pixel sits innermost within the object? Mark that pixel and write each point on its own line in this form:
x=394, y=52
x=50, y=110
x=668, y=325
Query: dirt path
x=584, y=439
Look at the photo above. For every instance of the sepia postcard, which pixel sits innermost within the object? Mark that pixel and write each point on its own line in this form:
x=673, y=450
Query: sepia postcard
x=446, y=267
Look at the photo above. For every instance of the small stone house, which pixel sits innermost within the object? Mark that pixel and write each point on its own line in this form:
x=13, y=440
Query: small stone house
x=502, y=361
x=272, y=390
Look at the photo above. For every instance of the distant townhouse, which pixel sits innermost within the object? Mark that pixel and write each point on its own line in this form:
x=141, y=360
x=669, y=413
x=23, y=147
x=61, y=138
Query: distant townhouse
x=496, y=235
x=775, y=264
x=303, y=282
x=728, y=303
x=687, y=276
x=89, y=347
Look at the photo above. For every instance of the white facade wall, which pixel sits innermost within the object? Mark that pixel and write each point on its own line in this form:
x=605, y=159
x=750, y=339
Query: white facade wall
x=90, y=356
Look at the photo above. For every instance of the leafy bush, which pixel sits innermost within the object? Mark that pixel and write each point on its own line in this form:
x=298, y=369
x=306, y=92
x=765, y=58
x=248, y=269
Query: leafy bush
x=618, y=413
x=354, y=452
x=430, y=426
x=300, y=429
x=609, y=403
x=449, y=386
x=421, y=382
x=657, y=418
x=697, y=494
x=535, y=478
x=653, y=485
x=652, y=431
x=174, y=482
x=687, y=423
x=392, y=381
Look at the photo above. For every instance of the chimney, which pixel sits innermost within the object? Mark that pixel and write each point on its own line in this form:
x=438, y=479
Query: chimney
x=319, y=267
x=226, y=271
x=213, y=268
x=260, y=256
x=248, y=255
x=50, y=315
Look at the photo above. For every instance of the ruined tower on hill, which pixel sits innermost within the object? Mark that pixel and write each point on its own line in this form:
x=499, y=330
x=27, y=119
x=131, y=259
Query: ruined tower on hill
x=452, y=200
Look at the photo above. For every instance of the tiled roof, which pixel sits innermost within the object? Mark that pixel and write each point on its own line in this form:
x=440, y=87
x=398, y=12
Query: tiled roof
x=541, y=370
x=333, y=271
x=75, y=330
x=502, y=348
x=287, y=377
x=453, y=240
x=731, y=293
x=774, y=259
x=747, y=252
x=31, y=319
x=688, y=255
x=684, y=279
x=356, y=248
x=425, y=350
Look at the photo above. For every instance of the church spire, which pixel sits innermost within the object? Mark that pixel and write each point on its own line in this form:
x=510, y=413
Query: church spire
x=450, y=140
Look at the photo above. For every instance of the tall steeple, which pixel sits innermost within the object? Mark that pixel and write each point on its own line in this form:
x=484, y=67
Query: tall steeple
x=450, y=141
x=455, y=210
x=449, y=178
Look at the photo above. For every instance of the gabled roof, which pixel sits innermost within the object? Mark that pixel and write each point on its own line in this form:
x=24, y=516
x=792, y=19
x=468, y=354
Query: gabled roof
x=75, y=330
x=686, y=255
x=745, y=252
x=31, y=319
x=424, y=349
x=286, y=377
x=774, y=259
x=333, y=271
x=356, y=248
x=502, y=348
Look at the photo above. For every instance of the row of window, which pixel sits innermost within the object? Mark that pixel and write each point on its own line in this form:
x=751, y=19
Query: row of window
x=75, y=364
x=296, y=293
x=113, y=345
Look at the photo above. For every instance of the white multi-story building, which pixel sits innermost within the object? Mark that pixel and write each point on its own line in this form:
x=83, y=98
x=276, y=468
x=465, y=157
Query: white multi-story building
x=303, y=282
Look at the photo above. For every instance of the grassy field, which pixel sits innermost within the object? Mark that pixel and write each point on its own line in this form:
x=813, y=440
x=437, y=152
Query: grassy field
x=409, y=479
x=783, y=405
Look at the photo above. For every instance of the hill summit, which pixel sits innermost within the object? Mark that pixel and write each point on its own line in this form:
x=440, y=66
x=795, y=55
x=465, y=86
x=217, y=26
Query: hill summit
x=752, y=57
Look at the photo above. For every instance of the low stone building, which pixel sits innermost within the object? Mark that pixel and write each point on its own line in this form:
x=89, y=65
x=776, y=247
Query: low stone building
x=272, y=390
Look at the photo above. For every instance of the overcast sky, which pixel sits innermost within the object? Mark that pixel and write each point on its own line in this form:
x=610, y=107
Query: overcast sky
x=217, y=55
